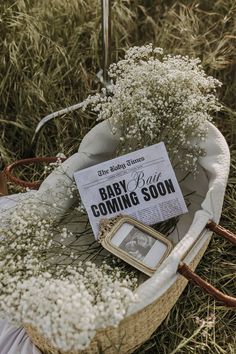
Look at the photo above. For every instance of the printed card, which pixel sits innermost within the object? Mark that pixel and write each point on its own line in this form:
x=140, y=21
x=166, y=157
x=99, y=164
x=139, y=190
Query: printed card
x=141, y=184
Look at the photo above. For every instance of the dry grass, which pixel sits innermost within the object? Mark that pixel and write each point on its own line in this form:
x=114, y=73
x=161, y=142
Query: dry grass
x=50, y=53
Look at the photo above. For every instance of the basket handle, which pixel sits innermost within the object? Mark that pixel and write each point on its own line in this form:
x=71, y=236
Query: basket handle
x=184, y=270
x=34, y=160
x=221, y=231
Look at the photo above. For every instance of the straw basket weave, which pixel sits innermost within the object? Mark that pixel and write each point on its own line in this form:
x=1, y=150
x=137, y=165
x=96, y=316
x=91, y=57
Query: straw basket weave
x=158, y=294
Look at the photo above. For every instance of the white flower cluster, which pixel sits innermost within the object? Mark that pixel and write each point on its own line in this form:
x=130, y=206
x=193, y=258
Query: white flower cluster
x=22, y=253
x=72, y=190
x=53, y=165
x=66, y=302
x=70, y=309
x=155, y=97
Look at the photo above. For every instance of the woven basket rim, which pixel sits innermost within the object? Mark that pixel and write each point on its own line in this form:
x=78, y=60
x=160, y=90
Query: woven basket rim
x=8, y=171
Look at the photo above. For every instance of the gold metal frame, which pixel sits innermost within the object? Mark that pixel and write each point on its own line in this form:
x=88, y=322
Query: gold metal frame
x=109, y=229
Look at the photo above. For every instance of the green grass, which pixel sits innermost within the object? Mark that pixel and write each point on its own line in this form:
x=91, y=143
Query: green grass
x=50, y=54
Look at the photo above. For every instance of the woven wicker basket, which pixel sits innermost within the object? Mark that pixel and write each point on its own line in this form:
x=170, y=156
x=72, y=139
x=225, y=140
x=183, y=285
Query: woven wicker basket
x=158, y=294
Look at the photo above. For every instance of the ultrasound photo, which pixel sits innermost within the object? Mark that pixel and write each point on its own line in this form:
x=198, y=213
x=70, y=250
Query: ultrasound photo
x=137, y=243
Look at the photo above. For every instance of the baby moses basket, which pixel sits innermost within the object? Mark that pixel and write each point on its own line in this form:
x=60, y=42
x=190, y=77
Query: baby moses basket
x=191, y=237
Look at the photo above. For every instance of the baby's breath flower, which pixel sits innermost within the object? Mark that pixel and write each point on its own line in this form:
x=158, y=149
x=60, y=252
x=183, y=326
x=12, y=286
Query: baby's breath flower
x=67, y=303
x=156, y=97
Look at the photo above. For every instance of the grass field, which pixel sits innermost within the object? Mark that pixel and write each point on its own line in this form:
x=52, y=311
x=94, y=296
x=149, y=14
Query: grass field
x=50, y=54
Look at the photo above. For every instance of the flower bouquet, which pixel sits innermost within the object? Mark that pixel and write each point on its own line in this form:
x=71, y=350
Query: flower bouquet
x=68, y=305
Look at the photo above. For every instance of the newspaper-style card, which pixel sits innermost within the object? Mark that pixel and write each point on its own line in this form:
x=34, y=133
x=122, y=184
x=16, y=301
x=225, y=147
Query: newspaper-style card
x=141, y=184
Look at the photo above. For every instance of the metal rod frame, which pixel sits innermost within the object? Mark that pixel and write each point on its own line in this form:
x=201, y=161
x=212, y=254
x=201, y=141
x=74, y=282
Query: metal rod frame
x=106, y=39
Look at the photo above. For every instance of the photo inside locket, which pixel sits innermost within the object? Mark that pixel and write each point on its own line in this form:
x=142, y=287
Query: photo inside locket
x=139, y=244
